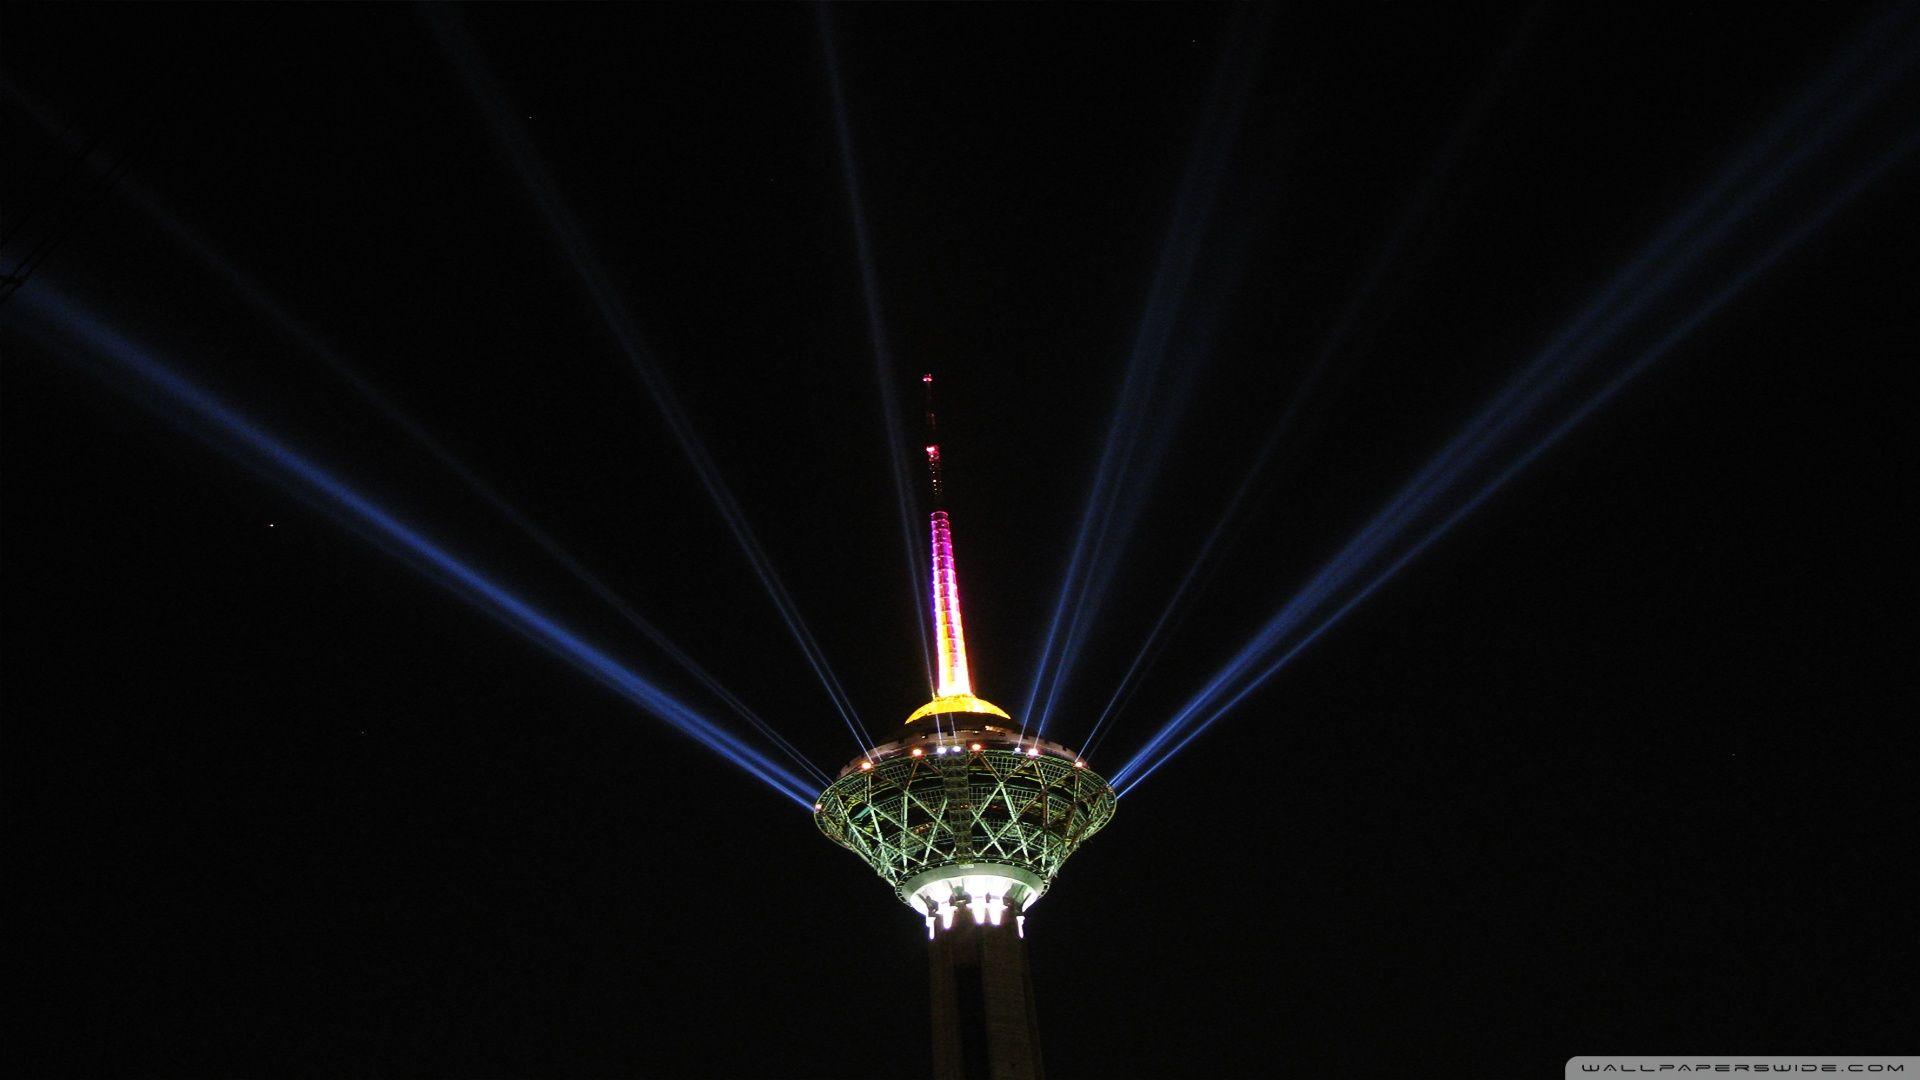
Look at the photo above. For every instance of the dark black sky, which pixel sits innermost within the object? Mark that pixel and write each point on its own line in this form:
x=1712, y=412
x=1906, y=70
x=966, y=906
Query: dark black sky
x=1624, y=764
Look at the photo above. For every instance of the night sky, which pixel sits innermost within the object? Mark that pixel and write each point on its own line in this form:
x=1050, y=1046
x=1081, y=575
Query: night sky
x=1622, y=763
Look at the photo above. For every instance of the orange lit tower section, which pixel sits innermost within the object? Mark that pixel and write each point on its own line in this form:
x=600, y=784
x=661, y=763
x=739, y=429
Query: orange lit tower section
x=969, y=820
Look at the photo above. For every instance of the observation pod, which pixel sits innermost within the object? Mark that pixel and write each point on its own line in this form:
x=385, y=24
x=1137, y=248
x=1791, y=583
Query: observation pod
x=958, y=810
x=969, y=823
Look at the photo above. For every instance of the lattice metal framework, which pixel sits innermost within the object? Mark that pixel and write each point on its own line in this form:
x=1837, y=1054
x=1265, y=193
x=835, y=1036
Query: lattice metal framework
x=908, y=815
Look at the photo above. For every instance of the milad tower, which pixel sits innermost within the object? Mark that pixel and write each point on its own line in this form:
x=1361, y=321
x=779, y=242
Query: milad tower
x=969, y=819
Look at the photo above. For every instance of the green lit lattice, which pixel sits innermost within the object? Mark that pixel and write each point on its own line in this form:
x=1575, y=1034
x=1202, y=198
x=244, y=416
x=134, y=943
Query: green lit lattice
x=910, y=815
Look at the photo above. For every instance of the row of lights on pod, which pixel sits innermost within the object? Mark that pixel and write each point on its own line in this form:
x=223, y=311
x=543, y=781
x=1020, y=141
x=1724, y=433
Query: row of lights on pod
x=1032, y=751
x=919, y=751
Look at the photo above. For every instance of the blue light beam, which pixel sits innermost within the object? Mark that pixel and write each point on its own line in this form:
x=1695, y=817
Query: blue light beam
x=464, y=54
x=883, y=370
x=1131, y=774
x=65, y=325
x=1125, y=466
x=1649, y=277
x=256, y=295
x=1199, y=571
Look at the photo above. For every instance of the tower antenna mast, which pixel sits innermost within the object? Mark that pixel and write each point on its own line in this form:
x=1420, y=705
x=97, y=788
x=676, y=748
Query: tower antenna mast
x=933, y=444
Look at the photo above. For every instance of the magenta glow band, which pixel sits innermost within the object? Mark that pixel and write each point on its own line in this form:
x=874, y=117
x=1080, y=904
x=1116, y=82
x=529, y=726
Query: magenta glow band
x=949, y=639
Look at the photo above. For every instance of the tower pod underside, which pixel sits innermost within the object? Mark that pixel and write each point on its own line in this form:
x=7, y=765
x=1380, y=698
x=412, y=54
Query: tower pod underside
x=969, y=815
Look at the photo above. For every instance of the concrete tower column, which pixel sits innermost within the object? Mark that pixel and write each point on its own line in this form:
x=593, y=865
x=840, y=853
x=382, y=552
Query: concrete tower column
x=984, y=1026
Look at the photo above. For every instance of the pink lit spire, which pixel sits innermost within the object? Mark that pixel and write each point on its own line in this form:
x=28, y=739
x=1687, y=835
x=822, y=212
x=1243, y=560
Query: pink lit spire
x=953, y=687
x=950, y=640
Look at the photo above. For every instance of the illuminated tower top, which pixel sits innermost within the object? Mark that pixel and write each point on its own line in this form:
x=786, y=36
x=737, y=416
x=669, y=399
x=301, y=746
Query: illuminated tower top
x=953, y=682
x=960, y=806
x=969, y=819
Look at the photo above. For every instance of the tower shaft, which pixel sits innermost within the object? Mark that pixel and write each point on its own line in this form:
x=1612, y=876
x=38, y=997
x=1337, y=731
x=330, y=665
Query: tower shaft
x=984, y=1027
